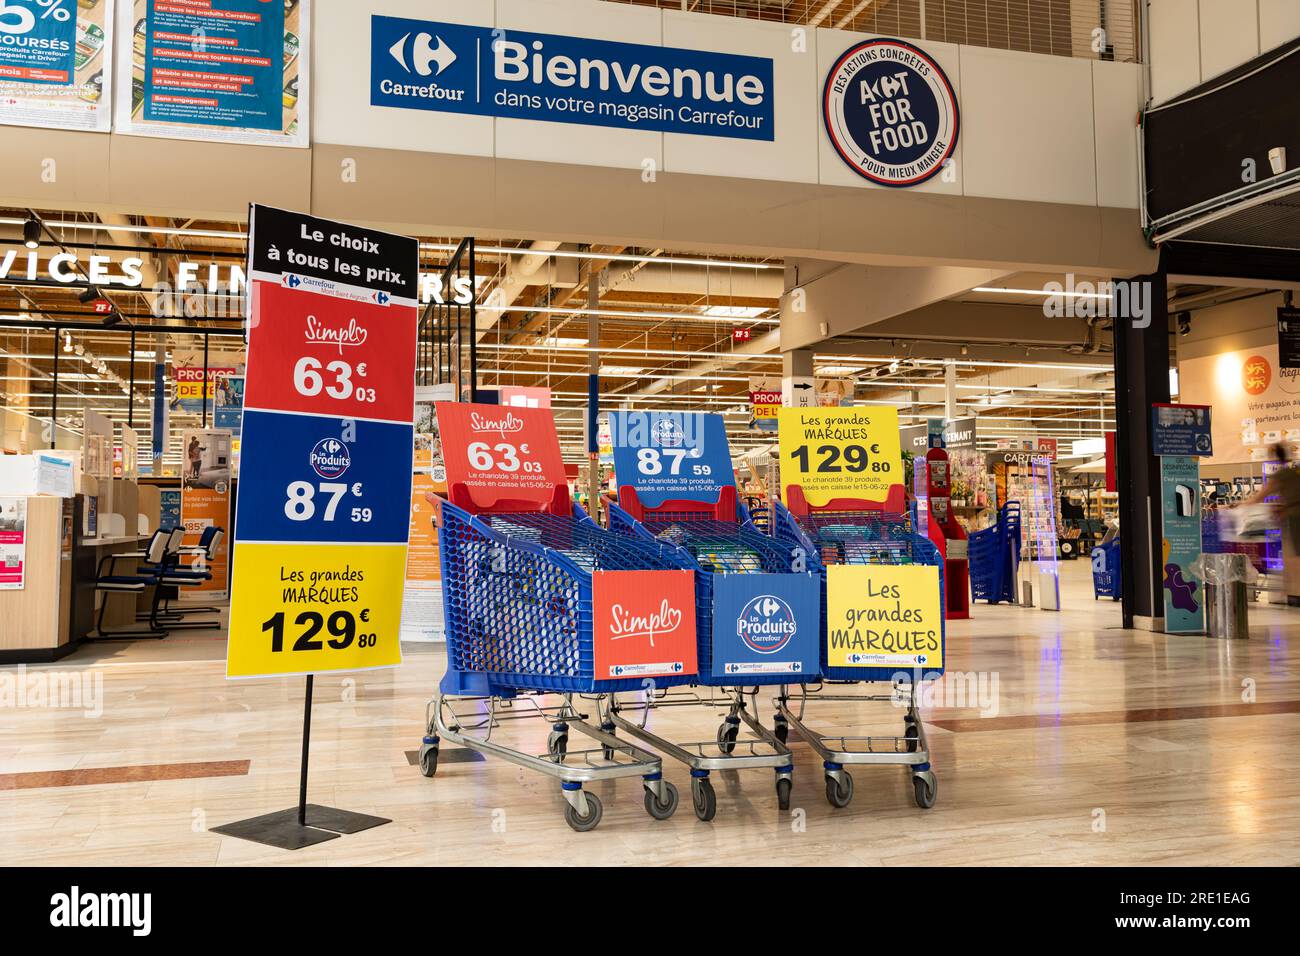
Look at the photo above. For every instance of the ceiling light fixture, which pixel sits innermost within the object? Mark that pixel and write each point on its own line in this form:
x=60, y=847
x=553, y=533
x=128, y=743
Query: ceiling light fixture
x=32, y=233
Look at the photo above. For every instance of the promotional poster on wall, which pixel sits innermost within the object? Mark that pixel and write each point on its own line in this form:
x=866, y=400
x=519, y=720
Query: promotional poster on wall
x=56, y=64
x=205, y=494
x=13, y=543
x=1256, y=403
x=231, y=71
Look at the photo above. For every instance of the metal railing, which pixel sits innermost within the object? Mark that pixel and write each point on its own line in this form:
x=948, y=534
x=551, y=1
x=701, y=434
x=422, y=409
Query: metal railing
x=1091, y=29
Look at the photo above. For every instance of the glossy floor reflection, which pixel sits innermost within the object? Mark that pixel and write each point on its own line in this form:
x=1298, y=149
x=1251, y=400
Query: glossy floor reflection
x=1100, y=746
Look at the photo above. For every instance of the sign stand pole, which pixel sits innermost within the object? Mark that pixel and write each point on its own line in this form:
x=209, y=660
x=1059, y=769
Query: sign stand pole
x=306, y=824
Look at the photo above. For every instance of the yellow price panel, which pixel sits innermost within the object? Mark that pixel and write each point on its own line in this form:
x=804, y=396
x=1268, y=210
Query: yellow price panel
x=840, y=453
x=886, y=615
x=309, y=609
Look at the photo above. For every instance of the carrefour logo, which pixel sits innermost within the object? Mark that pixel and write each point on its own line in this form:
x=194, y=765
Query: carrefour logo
x=766, y=624
x=417, y=52
x=890, y=112
x=668, y=434
x=330, y=458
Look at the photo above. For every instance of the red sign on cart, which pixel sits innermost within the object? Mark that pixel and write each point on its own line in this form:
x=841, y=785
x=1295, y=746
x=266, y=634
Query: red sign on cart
x=643, y=624
x=501, y=453
x=326, y=355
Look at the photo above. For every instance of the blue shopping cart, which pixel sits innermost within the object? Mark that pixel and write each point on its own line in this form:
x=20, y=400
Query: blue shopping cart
x=832, y=536
x=995, y=557
x=1106, y=578
x=758, y=616
x=527, y=578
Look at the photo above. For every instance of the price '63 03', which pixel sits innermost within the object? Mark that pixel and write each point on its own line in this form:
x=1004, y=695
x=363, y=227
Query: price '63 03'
x=325, y=479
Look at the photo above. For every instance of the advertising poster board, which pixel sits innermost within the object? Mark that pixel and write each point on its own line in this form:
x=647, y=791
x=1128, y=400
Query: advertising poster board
x=671, y=456
x=205, y=495
x=1180, y=510
x=1256, y=403
x=56, y=64
x=643, y=623
x=501, y=454
x=13, y=543
x=228, y=412
x=169, y=508
x=840, y=453
x=1288, y=337
x=883, y=616
x=1181, y=430
x=422, y=610
x=231, y=71
x=329, y=399
x=764, y=403
x=187, y=367
x=765, y=624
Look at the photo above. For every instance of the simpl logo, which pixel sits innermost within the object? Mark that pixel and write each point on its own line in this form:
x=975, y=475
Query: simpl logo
x=330, y=458
x=422, y=53
x=507, y=424
x=766, y=624
x=661, y=622
x=890, y=112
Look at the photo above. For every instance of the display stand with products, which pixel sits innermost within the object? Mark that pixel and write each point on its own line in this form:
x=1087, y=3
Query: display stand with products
x=882, y=589
x=758, y=611
x=539, y=599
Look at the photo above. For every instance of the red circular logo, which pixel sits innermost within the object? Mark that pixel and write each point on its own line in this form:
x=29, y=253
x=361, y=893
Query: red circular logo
x=1256, y=375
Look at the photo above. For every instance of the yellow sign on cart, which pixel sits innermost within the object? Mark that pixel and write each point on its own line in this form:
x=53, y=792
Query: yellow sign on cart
x=325, y=608
x=840, y=453
x=884, y=615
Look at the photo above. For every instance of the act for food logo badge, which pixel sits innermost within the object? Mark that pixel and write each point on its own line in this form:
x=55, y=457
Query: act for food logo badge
x=890, y=112
x=766, y=624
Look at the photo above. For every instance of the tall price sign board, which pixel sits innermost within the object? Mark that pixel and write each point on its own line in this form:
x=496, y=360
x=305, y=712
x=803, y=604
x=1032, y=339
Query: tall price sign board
x=840, y=453
x=329, y=399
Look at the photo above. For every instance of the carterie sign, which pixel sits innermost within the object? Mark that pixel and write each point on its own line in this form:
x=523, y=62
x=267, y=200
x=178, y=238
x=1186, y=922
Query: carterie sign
x=643, y=623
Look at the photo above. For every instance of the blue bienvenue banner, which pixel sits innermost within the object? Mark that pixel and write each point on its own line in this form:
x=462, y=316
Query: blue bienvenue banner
x=766, y=625
x=215, y=64
x=38, y=41
x=671, y=456
x=448, y=67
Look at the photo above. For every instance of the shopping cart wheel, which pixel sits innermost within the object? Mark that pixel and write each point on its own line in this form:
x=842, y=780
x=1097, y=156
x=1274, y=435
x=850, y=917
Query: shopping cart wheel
x=428, y=759
x=705, y=800
x=782, y=729
x=727, y=736
x=783, y=787
x=913, y=736
x=661, y=810
x=839, y=792
x=925, y=788
x=557, y=744
x=592, y=818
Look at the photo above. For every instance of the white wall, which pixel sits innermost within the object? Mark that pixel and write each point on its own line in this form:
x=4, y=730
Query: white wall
x=1192, y=41
x=1033, y=127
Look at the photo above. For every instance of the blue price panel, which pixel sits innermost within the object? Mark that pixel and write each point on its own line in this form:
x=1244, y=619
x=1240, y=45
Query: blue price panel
x=671, y=456
x=766, y=625
x=315, y=479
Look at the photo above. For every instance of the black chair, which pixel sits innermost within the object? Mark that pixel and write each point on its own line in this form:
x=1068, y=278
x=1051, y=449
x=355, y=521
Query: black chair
x=110, y=584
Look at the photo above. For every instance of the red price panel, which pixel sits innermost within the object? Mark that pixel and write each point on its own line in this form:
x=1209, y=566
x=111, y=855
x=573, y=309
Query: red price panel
x=500, y=452
x=325, y=355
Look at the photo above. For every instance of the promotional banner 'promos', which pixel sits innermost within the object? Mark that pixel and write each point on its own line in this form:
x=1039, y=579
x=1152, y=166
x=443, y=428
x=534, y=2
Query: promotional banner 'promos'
x=457, y=68
x=1180, y=507
x=643, y=623
x=501, y=454
x=840, y=453
x=891, y=112
x=671, y=456
x=883, y=616
x=764, y=403
x=324, y=507
x=188, y=370
x=1181, y=430
x=205, y=495
x=56, y=64
x=766, y=624
x=232, y=71
x=13, y=543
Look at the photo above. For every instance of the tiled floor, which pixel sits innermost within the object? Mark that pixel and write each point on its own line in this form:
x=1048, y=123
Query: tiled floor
x=1103, y=746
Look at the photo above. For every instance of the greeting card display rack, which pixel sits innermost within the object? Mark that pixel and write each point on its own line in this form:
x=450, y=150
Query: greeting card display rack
x=854, y=532
x=713, y=539
x=517, y=592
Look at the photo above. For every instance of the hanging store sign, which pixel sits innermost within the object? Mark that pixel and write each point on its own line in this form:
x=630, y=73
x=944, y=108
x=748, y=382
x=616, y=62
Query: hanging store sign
x=55, y=63
x=671, y=456
x=840, y=453
x=324, y=508
x=883, y=616
x=456, y=68
x=890, y=112
x=229, y=71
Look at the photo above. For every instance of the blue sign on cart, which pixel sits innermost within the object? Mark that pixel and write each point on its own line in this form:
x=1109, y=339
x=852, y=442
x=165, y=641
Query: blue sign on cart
x=671, y=456
x=766, y=625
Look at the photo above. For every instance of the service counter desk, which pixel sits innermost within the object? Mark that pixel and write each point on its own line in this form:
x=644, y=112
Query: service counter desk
x=36, y=618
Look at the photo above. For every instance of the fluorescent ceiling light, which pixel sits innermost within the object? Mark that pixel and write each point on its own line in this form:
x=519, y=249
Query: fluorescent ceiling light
x=613, y=313
x=734, y=311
